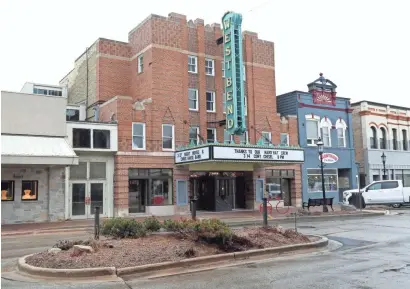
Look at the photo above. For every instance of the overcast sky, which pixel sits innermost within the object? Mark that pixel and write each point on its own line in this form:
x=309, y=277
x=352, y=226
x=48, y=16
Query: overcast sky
x=362, y=46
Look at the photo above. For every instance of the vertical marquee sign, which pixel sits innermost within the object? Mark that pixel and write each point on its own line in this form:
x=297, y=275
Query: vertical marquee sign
x=233, y=61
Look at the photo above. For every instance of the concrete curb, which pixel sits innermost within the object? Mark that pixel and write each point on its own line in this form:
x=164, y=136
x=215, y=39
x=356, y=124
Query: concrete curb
x=157, y=268
x=64, y=273
x=243, y=222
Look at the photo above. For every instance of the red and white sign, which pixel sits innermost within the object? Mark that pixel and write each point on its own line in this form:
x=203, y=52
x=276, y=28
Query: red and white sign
x=329, y=158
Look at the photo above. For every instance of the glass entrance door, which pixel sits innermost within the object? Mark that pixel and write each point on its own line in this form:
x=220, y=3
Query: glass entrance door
x=85, y=196
x=78, y=200
x=137, y=195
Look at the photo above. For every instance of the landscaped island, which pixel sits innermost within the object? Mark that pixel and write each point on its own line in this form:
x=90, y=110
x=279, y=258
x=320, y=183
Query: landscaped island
x=130, y=243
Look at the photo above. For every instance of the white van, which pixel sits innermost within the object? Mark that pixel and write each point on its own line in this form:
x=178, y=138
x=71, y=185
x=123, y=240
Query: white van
x=388, y=192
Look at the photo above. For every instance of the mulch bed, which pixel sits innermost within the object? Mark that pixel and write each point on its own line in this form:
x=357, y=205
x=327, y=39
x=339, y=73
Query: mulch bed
x=159, y=248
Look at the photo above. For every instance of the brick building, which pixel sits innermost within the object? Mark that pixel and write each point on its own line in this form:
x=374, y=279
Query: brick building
x=165, y=89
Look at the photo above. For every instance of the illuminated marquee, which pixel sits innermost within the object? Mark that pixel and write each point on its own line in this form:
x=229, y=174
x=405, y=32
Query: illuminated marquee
x=233, y=62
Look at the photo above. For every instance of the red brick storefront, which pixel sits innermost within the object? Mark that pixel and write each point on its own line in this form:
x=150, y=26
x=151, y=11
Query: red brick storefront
x=165, y=43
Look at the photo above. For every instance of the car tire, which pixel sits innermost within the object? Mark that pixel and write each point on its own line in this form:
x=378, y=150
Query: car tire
x=396, y=206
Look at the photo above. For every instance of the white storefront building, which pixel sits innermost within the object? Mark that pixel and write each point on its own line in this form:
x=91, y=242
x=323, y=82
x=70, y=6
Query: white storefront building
x=382, y=129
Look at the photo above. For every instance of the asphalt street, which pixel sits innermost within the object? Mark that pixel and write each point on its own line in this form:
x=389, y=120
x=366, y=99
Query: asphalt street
x=375, y=254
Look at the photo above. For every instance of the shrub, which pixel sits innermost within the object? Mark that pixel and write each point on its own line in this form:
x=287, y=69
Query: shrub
x=152, y=224
x=123, y=228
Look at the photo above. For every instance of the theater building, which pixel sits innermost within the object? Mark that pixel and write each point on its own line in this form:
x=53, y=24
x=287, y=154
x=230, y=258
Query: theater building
x=322, y=114
x=187, y=124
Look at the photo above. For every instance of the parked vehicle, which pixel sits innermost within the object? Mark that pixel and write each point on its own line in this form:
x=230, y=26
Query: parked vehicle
x=388, y=192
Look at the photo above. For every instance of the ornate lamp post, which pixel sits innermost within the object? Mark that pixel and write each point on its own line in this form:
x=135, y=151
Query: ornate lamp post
x=384, y=166
x=320, y=150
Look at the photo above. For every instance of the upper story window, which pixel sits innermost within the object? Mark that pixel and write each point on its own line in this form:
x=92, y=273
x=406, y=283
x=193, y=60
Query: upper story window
x=325, y=126
x=266, y=137
x=101, y=139
x=138, y=136
x=209, y=67
x=405, y=140
x=47, y=91
x=312, y=129
x=395, y=142
x=244, y=138
x=7, y=190
x=192, y=64
x=72, y=114
x=373, y=138
x=141, y=63
x=383, y=138
x=284, y=139
x=193, y=99
x=210, y=101
x=211, y=135
x=341, y=132
x=223, y=69
x=194, y=135
x=168, y=141
x=81, y=138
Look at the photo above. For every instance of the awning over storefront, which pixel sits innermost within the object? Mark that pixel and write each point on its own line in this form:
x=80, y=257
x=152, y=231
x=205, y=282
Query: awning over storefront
x=248, y=156
x=36, y=150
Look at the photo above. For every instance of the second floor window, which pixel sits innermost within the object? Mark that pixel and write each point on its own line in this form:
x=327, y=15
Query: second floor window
x=211, y=135
x=312, y=131
x=138, y=136
x=168, y=137
x=243, y=139
x=325, y=126
x=72, y=114
x=395, y=142
x=284, y=139
x=193, y=135
x=193, y=99
x=192, y=64
x=373, y=138
x=383, y=138
x=341, y=132
x=266, y=138
x=81, y=138
x=210, y=101
x=101, y=139
x=140, y=63
x=405, y=141
x=209, y=67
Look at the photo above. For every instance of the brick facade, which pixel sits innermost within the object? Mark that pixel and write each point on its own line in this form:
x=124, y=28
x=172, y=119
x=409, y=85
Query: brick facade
x=165, y=43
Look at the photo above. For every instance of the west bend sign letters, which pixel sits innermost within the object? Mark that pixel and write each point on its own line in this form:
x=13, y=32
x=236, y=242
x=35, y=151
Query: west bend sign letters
x=233, y=62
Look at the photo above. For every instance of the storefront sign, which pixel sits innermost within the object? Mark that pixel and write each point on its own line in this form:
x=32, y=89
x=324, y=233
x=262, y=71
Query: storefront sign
x=233, y=62
x=194, y=155
x=256, y=154
x=329, y=158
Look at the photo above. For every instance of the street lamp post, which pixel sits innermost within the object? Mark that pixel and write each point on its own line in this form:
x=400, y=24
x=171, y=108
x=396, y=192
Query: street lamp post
x=384, y=166
x=320, y=150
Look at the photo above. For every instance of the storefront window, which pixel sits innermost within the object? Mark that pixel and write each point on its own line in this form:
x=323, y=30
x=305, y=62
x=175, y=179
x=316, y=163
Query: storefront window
x=7, y=190
x=29, y=190
x=315, y=180
x=273, y=188
x=403, y=175
x=155, y=187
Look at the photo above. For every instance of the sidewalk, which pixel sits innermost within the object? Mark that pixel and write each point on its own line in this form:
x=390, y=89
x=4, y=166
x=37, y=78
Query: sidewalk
x=233, y=218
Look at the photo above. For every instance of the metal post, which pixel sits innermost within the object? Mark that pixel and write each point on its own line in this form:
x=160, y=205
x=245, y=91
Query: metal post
x=265, y=212
x=193, y=208
x=325, y=209
x=97, y=223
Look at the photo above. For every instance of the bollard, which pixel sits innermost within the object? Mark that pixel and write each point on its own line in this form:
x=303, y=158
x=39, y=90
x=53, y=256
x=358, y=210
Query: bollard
x=193, y=208
x=265, y=212
x=97, y=223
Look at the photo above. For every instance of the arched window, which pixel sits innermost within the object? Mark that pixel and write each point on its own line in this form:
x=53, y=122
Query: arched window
x=341, y=132
x=373, y=138
x=312, y=129
x=325, y=126
x=383, y=138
